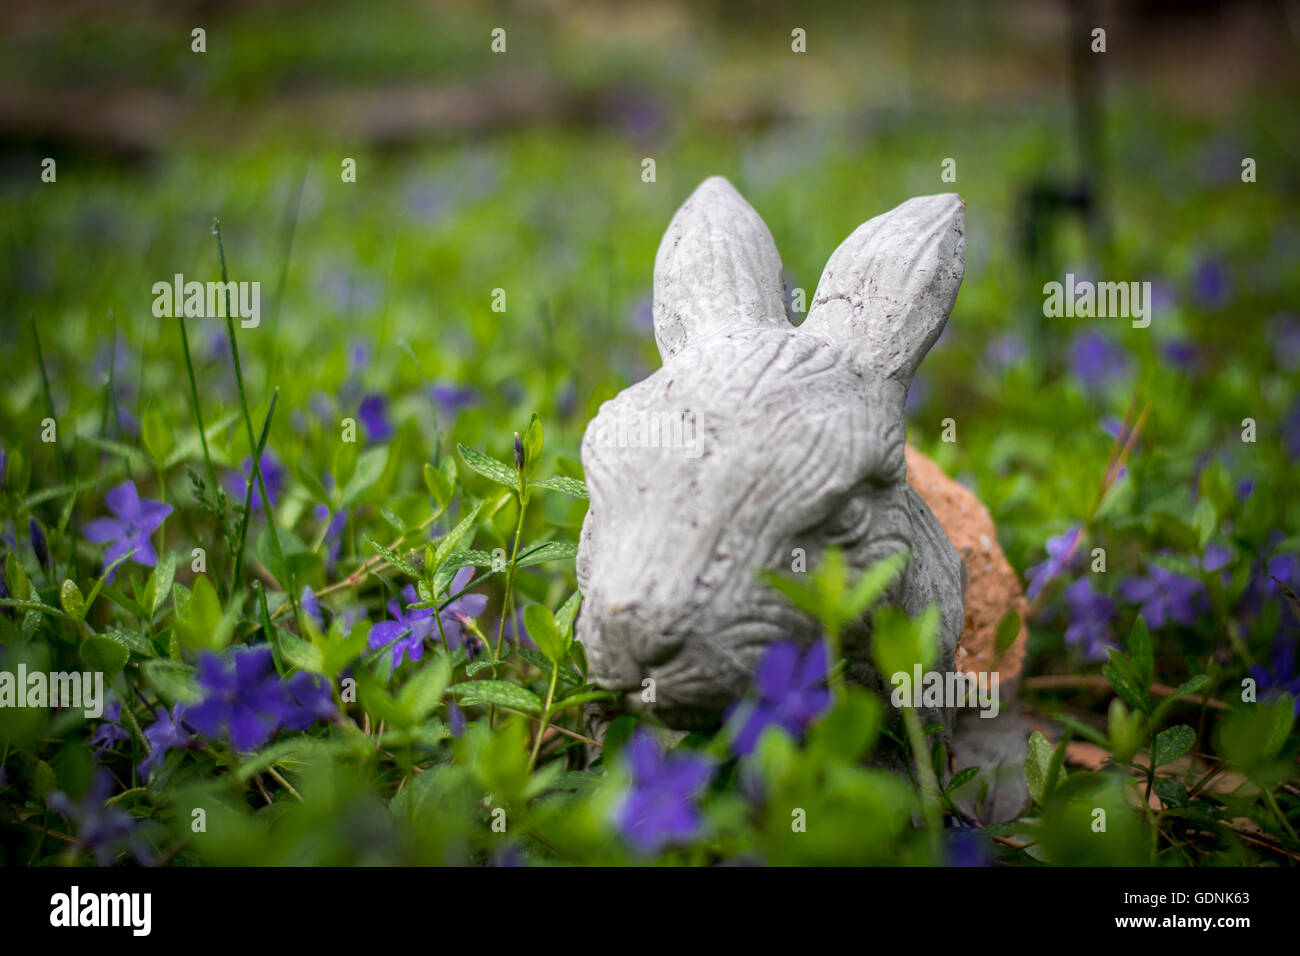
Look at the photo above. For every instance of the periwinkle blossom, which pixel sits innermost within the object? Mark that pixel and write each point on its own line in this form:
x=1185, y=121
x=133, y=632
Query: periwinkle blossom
x=39, y=545
x=247, y=701
x=1165, y=597
x=273, y=475
x=110, y=731
x=166, y=733
x=459, y=614
x=1281, y=676
x=137, y=518
x=455, y=719
x=965, y=847
x=1005, y=350
x=106, y=831
x=409, y=627
x=333, y=539
x=661, y=808
x=1096, y=361
x=1089, y=613
x=373, y=413
x=1211, y=283
x=451, y=399
x=1061, y=549
x=792, y=693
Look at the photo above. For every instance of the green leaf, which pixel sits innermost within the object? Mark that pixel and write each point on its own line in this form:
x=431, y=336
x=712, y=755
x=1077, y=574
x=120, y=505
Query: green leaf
x=1171, y=744
x=369, y=469
x=568, y=486
x=532, y=446
x=452, y=538
x=439, y=485
x=160, y=582
x=132, y=640
x=70, y=598
x=395, y=559
x=490, y=468
x=156, y=432
x=899, y=643
x=202, y=625
x=567, y=612
x=173, y=680
x=20, y=589
x=424, y=688
x=1038, y=762
x=961, y=778
x=1007, y=632
x=299, y=653
x=452, y=564
x=545, y=633
x=1139, y=649
x=1119, y=672
x=850, y=729
x=497, y=692
x=549, y=551
x=102, y=654
x=872, y=584
x=1171, y=791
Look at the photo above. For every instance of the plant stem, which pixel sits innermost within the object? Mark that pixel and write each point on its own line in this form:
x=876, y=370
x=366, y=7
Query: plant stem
x=507, y=604
x=248, y=425
x=929, y=784
x=546, y=716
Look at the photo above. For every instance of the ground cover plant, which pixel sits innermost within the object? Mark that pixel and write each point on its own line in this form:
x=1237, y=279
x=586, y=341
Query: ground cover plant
x=324, y=555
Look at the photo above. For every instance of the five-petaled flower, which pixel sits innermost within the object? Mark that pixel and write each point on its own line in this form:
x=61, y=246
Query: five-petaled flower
x=661, y=808
x=792, y=694
x=409, y=628
x=136, y=519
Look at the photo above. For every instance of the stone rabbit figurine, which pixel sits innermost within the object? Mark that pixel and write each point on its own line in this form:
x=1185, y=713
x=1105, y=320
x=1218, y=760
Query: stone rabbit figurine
x=758, y=441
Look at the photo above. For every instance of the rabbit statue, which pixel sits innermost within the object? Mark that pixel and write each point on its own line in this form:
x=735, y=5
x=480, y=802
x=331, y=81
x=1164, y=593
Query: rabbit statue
x=758, y=441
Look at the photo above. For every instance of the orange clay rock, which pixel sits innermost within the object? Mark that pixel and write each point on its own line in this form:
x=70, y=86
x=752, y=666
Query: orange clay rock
x=996, y=745
x=992, y=587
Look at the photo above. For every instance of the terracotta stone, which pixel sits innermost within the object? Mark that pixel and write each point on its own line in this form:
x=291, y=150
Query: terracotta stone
x=992, y=585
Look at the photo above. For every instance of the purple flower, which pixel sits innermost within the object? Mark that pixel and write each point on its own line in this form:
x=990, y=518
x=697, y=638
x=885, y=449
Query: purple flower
x=167, y=732
x=1096, y=361
x=516, y=632
x=792, y=694
x=1060, y=549
x=1005, y=350
x=1211, y=284
x=965, y=847
x=272, y=474
x=136, y=519
x=457, y=615
x=643, y=317
x=1181, y=354
x=1282, y=676
x=39, y=544
x=110, y=732
x=310, y=700
x=333, y=539
x=105, y=831
x=311, y=607
x=1291, y=432
x=243, y=698
x=455, y=719
x=452, y=398
x=4, y=467
x=1089, y=614
x=374, y=416
x=409, y=628
x=660, y=809
x=1165, y=597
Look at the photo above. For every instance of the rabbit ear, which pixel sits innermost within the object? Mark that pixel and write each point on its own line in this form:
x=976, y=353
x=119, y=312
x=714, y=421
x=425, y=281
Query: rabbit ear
x=887, y=290
x=717, y=269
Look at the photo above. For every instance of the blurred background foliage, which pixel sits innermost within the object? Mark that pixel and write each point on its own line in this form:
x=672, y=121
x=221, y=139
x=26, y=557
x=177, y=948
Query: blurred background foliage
x=522, y=171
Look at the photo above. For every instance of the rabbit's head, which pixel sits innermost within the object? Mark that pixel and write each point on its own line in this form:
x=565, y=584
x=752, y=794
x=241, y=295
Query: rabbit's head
x=757, y=443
